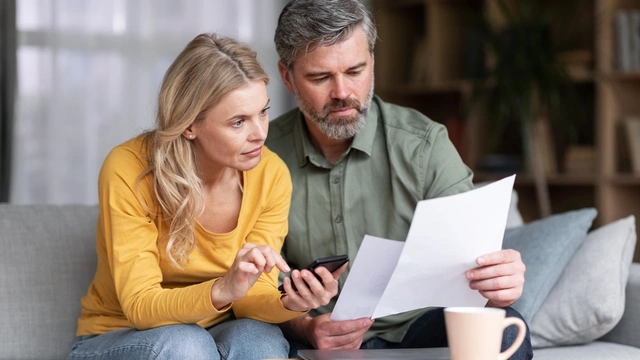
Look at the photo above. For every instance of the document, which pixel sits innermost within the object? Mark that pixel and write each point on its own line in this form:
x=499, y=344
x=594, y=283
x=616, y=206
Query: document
x=445, y=238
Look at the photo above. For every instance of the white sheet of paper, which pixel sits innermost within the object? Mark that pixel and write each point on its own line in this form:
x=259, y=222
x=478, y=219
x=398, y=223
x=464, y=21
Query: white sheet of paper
x=445, y=238
x=361, y=293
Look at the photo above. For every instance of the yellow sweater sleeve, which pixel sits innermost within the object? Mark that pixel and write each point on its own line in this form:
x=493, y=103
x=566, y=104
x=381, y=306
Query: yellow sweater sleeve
x=263, y=301
x=130, y=240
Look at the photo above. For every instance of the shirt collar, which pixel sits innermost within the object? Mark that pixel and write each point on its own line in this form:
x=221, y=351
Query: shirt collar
x=363, y=141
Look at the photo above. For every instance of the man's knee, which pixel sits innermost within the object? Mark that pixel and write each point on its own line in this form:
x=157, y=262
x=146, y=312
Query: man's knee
x=525, y=351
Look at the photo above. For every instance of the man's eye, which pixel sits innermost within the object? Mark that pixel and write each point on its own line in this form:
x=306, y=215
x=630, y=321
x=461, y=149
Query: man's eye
x=319, y=80
x=355, y=73
x=265, y=110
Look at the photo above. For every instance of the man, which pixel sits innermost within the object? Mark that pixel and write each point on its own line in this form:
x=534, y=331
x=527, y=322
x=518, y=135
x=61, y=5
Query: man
x=359, y=166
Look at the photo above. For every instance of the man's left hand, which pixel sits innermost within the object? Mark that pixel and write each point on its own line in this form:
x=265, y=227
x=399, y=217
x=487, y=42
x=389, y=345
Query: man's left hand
x=499, y=277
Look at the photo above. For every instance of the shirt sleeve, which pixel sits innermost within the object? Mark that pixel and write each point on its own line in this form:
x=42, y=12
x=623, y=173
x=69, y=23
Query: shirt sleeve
x=130, y=238
x=263, y=301
x=445, y=173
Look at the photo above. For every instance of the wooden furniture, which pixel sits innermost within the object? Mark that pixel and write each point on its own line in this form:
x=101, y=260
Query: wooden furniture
x=424, y=59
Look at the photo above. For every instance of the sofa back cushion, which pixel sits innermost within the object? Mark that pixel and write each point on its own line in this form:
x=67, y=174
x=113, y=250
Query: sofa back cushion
x=546, y=246
x=47, y=260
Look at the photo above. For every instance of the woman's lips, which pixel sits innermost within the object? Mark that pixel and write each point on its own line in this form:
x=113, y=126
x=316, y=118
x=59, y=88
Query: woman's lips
x=253, y=153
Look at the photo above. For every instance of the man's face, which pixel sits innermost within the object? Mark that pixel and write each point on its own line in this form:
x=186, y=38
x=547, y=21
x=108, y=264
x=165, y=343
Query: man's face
x=333, y=86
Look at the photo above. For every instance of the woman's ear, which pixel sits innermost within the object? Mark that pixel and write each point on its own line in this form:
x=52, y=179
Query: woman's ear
x=189, y=134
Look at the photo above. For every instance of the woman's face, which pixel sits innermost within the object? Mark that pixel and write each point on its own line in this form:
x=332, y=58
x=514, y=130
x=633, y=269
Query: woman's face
x=233, y=131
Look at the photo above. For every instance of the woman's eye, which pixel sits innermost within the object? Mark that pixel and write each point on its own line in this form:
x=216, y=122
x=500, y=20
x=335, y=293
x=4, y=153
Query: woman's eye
x=265, y=110
x=238, y=123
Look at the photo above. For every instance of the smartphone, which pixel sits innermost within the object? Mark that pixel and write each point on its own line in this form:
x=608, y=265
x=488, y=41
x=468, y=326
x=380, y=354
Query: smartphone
x=331, y=263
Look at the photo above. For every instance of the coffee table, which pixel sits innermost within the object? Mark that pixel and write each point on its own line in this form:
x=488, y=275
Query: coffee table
x=387, y=354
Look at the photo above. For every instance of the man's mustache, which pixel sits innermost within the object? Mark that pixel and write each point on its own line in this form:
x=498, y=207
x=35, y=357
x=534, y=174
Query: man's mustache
x=342, y=104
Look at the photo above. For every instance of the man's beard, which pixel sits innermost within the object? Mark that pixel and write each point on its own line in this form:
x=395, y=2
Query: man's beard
x=340, y=128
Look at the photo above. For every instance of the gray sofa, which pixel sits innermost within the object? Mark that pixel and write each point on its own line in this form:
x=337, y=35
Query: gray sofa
x=47, y=260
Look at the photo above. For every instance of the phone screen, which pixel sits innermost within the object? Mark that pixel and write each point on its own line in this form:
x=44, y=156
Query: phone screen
x=331, y=263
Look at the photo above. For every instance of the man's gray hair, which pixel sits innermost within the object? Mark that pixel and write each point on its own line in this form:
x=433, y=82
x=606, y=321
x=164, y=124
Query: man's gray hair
x=305, y=24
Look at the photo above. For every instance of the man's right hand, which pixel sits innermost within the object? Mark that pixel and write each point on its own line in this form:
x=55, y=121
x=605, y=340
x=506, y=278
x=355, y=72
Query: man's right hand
x=325, y=334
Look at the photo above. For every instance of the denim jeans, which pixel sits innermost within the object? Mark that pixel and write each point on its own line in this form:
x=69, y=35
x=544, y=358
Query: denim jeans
x=429, y=331
x=241, y=339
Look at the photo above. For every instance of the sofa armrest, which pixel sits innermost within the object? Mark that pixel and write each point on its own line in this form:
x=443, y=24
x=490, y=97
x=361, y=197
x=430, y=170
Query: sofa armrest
x=627, y=330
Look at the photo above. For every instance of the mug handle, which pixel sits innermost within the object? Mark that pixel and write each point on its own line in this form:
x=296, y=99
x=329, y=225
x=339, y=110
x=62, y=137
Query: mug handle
x=522, y=330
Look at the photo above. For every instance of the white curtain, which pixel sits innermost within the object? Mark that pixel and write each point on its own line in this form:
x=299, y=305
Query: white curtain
x=89, y=73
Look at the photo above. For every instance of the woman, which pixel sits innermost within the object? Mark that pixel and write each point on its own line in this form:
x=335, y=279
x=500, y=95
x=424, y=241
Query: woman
x=192, y=219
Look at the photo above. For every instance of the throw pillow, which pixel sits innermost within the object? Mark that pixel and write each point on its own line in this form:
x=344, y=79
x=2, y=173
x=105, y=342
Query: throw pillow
x=589, y=299
x=546, y=246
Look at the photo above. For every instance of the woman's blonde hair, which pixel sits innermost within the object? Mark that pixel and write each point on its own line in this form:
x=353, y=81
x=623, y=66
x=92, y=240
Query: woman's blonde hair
x=209, y=68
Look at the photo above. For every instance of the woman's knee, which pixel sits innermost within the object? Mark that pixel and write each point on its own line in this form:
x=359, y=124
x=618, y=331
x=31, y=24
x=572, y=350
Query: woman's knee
x=185, y=341
x=250, y=339
x=180, y=341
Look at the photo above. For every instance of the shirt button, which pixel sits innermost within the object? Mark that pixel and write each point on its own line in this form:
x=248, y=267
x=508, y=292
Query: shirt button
x=336, y=180
x=338, y=219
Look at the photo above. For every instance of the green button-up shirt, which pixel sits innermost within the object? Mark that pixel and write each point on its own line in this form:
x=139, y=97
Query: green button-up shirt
x=399, y=158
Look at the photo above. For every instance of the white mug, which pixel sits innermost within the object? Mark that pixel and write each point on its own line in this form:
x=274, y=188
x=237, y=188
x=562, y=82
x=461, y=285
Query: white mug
x=475, y=333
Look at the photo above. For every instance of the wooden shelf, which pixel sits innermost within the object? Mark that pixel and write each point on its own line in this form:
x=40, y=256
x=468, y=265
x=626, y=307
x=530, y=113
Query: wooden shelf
x=625, y=76
x=625, y=179
x=422, y=62
x=413, y=89
x=553, y=180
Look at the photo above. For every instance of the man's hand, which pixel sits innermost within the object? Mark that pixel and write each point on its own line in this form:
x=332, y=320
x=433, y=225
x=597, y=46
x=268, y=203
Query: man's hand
x=499, y=277
x=325, y=334
x=311, y=293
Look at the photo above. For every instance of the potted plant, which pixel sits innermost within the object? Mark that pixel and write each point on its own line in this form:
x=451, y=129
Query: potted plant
x=525, y=82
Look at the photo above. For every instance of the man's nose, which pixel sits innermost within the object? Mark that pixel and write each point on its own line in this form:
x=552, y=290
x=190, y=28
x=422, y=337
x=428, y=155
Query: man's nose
x=340, y=90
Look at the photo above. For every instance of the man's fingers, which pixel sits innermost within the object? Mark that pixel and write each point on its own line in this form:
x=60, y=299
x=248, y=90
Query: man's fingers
x=343, y=334
x=498, y=257
x=493, y=271
x=341, y=328
x=497, y=283
x=502, y=297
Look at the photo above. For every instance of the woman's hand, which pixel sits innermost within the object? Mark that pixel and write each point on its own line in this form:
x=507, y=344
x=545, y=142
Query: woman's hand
x=251, y=261
x=310, y=293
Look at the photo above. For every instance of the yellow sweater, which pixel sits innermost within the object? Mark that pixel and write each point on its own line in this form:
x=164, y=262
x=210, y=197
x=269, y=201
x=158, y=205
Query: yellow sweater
x=135, y=286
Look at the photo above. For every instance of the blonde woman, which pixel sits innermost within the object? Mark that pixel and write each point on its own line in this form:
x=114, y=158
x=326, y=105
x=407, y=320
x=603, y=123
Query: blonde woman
x=192, y=219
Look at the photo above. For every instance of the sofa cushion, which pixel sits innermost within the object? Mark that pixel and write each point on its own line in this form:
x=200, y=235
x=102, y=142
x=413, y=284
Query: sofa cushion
x=47, y=261
x=627, y=330
x=589, y=299
x=546, y=246
x=597, y=350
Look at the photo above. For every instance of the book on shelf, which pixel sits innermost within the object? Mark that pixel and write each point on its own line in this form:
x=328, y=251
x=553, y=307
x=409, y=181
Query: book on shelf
x=632, y=129
x=627, y=29
x=580, y=160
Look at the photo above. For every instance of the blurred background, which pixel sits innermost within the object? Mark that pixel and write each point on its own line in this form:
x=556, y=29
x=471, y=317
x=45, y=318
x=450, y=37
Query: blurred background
x=549, y=90
x=86, y=74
